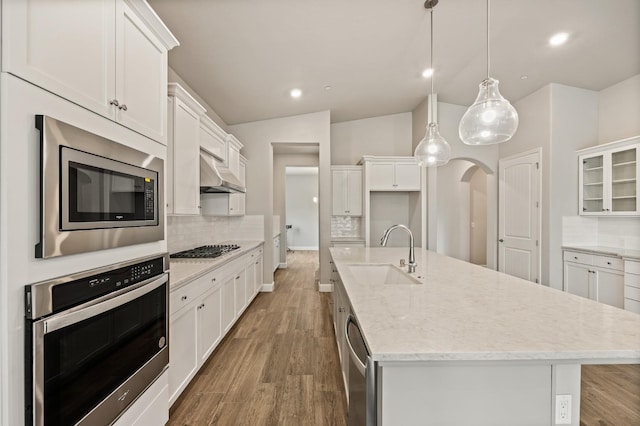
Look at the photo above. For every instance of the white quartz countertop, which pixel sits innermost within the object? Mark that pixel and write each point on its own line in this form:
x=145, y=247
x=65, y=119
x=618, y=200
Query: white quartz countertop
x=611, y=251
x=464, y=312
x=182, y=271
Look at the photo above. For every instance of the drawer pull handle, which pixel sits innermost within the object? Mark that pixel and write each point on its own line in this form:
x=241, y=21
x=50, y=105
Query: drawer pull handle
x=575, y=257
x=238, y=277
x=608, y=263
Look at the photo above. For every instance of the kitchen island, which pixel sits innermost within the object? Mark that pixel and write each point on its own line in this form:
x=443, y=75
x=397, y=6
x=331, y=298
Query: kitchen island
x=468, y=345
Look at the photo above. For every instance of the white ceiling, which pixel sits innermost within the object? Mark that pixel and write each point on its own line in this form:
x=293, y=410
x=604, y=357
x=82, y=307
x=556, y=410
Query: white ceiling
x=243, y=56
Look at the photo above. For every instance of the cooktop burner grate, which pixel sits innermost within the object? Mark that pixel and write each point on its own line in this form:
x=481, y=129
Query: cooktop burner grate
x=206, y=252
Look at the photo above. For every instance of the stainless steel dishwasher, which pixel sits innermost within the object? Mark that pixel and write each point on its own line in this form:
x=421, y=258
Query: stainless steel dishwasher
x=362, y=375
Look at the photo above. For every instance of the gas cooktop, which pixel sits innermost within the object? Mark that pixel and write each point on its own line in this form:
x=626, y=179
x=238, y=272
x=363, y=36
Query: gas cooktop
x=206, y=252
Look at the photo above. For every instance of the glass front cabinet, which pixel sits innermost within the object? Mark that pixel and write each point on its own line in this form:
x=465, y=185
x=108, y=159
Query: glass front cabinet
x=608, y=179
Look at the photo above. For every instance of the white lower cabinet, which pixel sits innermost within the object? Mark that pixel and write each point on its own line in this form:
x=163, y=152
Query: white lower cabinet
x=203, y=311
x=341, y=310
x=594, y=277
x=632, y=286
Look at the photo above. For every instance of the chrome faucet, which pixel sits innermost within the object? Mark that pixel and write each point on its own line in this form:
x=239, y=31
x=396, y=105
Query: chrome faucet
x=412, y=258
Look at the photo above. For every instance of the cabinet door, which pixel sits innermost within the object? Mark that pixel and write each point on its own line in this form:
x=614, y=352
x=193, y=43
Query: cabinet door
x=258, y=275
x=234, y=204
x=228, y=304
x=381, y=176
x=241, y=292
x=577, y=279
x=354, y=193
x=624, y=181
x=610, y=287
x=185, y=152
x=339, y=191
x=407, y=177
x=209, y=323
x=183, y=358
x=592, y=186
x=66, y=47
x=250, y=280
x=141, y=75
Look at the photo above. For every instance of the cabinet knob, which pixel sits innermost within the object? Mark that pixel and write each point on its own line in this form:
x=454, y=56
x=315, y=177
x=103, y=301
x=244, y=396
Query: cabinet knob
x=238, y=277
x=257, y=262
x=123, y=107
x=608, y=263
x=501, y=240
x=604, y=210
x=114, y=102
x=183, y=298
x=575, y=257
x=213, y=280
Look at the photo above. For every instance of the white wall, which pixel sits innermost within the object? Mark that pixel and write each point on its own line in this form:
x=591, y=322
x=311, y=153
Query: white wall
x=619, y=110
x=385, y=135
x=478, y=211
x=302, y=211
x=257, y=138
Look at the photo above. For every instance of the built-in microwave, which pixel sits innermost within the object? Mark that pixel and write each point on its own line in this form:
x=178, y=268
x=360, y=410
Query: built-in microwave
x=95, y=193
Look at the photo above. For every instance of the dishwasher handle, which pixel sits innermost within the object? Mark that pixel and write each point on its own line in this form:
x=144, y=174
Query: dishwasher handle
x=352, y=353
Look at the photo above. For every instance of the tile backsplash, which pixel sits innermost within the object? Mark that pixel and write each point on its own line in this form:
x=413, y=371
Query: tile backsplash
x=623, y=232
x=346, y=226
x=185, y=232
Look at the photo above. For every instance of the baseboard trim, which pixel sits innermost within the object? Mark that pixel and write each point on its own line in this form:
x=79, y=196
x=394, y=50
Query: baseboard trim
x=282, y=265
x=303, y=248
x=267, y=288
x=325, y=288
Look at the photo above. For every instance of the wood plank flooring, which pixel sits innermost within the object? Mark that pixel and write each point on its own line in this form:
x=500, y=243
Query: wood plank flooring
x=279, y=366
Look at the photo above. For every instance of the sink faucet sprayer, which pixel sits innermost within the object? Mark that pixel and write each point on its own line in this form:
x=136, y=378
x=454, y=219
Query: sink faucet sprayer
x=412, y=258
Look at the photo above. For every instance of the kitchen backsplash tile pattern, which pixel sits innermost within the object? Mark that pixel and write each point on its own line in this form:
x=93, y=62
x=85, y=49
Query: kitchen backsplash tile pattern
x=623, y=232
x=185, y=232
x=346, y=226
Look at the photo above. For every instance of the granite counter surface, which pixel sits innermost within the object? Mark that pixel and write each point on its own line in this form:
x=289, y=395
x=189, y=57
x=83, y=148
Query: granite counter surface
x=464, y=312
x=182, y=271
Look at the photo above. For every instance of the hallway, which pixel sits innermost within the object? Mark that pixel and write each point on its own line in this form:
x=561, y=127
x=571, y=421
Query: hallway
x=278, y=365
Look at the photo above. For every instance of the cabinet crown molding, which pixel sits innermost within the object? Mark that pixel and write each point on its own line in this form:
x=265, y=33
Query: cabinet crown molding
x=234, y=141
x=609, y=145
x=153, y=21
x=177, y=91
x=207, y=122
x=373, y=158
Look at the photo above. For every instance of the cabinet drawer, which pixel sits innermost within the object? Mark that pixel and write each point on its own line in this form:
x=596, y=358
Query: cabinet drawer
x=632, y=280
x=186, y=294
x=632, y=293
x=632, y=305
x=608, y=262
x=632, y=267
x=575, y=256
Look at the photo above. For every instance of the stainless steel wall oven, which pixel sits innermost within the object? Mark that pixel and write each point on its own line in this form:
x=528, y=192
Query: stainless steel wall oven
x=95, y=193
x=95, y=341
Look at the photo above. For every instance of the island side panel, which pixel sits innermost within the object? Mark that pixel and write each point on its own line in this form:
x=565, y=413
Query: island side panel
x=453, y=394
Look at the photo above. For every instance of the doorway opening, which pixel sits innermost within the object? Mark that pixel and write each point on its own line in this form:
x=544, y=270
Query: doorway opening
x=462, y=211
x=301, y=208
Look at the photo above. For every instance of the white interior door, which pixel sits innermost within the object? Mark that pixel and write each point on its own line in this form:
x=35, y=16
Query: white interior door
x=519, y=216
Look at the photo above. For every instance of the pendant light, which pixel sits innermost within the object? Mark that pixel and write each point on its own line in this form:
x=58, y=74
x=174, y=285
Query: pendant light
x=491, y=119
x=433, y=150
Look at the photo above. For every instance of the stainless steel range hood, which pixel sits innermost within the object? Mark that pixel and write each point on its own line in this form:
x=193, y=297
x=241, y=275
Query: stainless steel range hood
x=214, y=177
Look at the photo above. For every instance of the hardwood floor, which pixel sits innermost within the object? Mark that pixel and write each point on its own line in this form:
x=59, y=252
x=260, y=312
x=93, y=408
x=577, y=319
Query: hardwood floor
x=610, y=395
x=278, y=365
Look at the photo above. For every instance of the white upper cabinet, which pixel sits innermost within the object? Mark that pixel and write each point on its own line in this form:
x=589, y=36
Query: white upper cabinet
x=392, y=174
x=183, y=152
x=609, y=176
x=233, y=155
x=109, y=56
x=347, y=190
x=213, y=139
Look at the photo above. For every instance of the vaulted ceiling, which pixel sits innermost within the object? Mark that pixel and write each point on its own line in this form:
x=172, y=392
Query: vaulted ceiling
x=365, y=58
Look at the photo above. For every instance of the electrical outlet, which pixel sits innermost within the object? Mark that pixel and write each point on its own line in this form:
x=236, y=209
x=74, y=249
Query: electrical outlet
x=563, y=409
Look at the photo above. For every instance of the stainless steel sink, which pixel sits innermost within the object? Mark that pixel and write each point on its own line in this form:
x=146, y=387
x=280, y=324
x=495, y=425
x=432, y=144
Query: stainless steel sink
x=381, y=273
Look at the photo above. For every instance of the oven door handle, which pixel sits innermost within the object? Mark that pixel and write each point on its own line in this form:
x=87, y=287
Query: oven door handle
x=63, y=319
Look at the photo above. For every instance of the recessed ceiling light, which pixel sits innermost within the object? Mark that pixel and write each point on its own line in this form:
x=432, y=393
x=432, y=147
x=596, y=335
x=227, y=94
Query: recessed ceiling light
x=295, y=93
x=558, y=39
x=327, y=87
x=427, y=73
x=524, y=77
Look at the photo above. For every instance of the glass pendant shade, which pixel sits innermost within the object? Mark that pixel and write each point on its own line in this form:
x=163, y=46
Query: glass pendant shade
x=433, y=150
x=491, y=119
